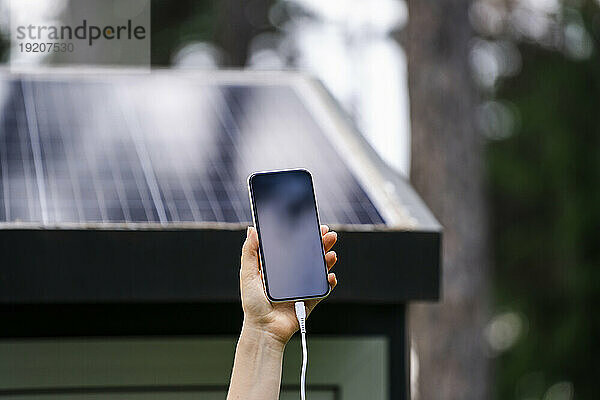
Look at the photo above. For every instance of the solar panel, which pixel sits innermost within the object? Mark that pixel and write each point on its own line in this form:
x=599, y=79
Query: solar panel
x=162, y=148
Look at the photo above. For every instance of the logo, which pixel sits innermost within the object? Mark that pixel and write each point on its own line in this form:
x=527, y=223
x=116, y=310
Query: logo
x=83, y=31
x=80, y=32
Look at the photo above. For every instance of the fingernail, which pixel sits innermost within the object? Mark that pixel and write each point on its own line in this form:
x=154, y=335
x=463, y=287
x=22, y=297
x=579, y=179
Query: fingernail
x=248, y=232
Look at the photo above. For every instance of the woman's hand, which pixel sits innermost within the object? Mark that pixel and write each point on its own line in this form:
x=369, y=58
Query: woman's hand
x=278, y=320
x=256, y=373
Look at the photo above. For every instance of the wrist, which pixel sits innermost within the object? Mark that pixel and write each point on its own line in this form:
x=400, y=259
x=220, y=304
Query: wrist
x=258, y=335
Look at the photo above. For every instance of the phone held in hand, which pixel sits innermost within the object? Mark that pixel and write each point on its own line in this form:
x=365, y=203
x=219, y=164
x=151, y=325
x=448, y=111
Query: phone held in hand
x=292, y=258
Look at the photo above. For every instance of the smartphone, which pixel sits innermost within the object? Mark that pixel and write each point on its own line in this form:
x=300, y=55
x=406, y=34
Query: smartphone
x=292, y=257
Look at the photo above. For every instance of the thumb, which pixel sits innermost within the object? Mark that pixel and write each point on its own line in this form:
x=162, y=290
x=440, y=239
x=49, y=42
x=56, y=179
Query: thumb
x=250, y=252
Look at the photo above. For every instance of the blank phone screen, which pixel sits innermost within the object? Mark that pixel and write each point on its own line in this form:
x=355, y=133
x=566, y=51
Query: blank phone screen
x=285, y=213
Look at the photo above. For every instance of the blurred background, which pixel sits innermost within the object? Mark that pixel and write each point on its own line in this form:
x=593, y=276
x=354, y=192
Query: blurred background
x=491, y=108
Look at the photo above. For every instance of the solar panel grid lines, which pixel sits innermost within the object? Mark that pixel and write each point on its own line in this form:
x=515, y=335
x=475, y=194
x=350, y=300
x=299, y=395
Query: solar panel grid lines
x=238, y=113
x=51, y=170
x=169, y=180
x=137, y=136
x=160, y=149
x=91, y=148
x=83, y=161
x=5, y=209
x=163, y=162
x=220, y=173
x=116, y=173
x=332, y=165
x=19, y=185
x=62, y=125
x=34, y=137
x=110, y=175
x=118, y=138
x=238, y=139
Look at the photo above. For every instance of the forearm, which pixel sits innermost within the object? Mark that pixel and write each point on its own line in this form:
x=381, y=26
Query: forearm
x=257, y=367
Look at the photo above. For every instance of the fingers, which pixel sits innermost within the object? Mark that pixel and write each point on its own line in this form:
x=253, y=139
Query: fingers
x=250, y=252
x=332, y=279
x=329, y=240
x=330, y=259
x=311, y=304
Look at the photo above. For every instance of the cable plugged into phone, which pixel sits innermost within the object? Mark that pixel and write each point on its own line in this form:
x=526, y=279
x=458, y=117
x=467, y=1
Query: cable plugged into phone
x=301, y=315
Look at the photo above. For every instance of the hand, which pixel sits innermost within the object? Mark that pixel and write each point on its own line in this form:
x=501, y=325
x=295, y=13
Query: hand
x=275, y=319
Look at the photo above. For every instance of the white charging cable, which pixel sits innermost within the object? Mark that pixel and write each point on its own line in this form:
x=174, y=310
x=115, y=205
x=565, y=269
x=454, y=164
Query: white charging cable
x=301, y=315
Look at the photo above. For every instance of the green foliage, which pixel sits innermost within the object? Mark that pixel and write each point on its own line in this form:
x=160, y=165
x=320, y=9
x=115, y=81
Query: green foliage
x=545, y=203
x=175, y=23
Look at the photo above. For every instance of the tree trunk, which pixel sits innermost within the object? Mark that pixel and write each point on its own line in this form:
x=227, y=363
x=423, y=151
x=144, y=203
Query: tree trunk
x=447, y=170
